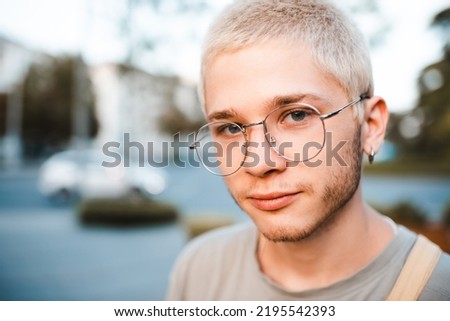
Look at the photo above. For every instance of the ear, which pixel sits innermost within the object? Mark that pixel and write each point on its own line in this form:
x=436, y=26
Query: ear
x=374, y=124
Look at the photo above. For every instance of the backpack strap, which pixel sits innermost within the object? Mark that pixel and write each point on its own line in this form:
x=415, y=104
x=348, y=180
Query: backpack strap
x=417, y=270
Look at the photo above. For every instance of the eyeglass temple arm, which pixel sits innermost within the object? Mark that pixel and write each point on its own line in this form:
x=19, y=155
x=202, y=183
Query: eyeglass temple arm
x=356, y=100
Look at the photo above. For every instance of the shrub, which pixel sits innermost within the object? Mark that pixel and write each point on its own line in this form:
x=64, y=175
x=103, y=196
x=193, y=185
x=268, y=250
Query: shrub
x=446, y=216
x=405, y=213
x=125, y=211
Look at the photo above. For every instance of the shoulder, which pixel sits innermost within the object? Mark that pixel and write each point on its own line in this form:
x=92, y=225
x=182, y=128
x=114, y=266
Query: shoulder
x=438, y=286
x=207, y=258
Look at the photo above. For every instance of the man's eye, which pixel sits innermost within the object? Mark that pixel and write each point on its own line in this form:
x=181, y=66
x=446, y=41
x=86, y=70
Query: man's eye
x=228, y=129
x=233, y=129
x=297, y=117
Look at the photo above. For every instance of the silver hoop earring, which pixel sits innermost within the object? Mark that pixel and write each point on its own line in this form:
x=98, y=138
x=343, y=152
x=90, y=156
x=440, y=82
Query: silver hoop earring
x=371, y=155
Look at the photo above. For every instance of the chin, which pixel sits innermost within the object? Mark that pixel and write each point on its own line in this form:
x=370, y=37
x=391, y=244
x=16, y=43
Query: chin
x=283, y=228
x=284, y=235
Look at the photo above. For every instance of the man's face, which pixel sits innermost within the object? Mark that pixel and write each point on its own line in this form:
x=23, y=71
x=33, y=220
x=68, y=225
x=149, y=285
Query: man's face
x=287, y=203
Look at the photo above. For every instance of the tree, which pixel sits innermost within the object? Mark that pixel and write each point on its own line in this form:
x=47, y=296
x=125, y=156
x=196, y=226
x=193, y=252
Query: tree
x=3, y=98
x=434, y=108
x=425, y=130
x=49, y=102
x=139, y=43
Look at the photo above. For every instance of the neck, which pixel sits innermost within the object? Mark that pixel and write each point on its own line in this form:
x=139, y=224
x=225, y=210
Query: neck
x=355, y=236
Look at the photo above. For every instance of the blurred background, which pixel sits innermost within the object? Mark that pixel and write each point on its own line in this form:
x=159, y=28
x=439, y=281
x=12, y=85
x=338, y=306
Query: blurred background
x=79, y=76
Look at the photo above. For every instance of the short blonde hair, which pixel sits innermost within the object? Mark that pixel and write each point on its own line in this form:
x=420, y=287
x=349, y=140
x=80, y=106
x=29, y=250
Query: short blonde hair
x=337, y=46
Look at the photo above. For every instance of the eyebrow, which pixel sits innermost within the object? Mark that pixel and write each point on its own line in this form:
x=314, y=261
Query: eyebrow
x=291, y=99
x=223, y=114
x=276, y=102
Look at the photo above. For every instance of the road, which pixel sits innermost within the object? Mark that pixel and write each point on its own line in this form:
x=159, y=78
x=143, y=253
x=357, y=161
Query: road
x=46, y=254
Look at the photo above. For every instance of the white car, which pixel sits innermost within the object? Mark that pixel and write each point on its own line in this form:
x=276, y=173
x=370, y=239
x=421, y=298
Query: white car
x=80, y=173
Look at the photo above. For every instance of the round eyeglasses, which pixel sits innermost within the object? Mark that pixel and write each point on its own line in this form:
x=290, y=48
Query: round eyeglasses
x=294, y=131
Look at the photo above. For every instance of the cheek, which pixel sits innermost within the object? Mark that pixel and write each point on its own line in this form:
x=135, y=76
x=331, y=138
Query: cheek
x=340, y=143
x=234, y=184
x=338, y=158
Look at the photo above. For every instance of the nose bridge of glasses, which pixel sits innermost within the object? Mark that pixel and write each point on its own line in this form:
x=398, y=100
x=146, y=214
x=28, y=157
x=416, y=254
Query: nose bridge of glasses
x=245, y=126
x=267, y=136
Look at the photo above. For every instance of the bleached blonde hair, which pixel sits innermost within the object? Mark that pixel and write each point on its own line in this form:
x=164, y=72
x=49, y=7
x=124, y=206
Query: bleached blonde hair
x=337, y=46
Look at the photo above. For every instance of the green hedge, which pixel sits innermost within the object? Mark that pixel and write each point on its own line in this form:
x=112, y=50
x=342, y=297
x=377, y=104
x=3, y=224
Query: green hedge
x=125, y=211
x=446, y=216
x=403, y=212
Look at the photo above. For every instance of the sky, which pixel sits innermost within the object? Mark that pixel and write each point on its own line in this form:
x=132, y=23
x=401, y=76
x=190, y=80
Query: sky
x=90, y=27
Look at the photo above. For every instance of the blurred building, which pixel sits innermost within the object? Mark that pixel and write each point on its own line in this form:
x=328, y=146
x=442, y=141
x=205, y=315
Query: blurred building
x=133, y=103
x=129, y=104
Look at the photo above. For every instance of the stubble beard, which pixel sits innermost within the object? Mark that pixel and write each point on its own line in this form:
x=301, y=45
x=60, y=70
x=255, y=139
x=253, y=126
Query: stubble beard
x=343, y=185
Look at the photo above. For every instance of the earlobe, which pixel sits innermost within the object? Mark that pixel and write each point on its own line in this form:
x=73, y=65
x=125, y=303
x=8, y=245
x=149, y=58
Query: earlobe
x=374, y=125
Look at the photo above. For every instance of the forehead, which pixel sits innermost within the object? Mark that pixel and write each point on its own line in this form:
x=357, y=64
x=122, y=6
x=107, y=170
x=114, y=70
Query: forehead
x=256, y=75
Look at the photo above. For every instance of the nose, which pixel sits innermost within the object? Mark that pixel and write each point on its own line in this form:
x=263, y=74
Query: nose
x=261, y=159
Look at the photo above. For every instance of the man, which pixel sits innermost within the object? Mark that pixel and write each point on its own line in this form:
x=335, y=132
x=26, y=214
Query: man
x=288, y=94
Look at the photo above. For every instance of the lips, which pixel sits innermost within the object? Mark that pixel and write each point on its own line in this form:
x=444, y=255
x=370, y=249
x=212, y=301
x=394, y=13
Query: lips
x=272, y=201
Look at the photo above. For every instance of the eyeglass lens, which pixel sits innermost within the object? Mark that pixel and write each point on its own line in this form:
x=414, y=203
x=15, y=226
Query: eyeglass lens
x=296, y=132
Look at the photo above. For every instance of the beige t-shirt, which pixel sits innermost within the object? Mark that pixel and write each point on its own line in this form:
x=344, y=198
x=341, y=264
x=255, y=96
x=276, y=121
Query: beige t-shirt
x=222, y=265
